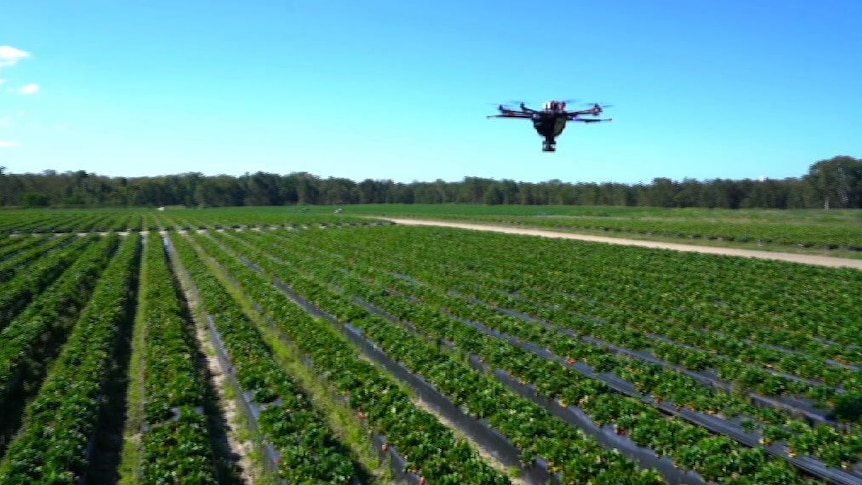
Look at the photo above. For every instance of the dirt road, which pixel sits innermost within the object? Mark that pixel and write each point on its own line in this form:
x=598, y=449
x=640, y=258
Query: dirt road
x=791, y=257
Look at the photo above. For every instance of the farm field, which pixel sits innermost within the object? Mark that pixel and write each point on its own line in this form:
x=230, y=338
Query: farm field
x=38, y=221
x=833, y=232
x=282, y=345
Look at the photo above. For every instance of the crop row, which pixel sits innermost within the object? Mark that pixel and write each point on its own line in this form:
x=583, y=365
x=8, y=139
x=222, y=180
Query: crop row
x=176, y=439
x=59, y=427
x=69, y=220
x=603, y=305
x=309, y=451
x=473, y=288
x=22, y=256
x=32, y=340
x=563, y=296
x=429, y=448
x=780, y=233
x=457, y=382
x=406, y=298
x=30, y=281
x=11, y=246
x=238, y=217
x=556, y=381
x=747, y=314
x=807, y=233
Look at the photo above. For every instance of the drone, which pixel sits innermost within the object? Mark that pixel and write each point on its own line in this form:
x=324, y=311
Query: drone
x=551, y=120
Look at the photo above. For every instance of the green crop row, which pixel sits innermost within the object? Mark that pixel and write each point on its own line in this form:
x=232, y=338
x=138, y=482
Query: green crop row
x=176, y=441
x=520, y=419
x=235, y=217
x=644, y=424
x=429, y=448
x=12, y=246
x=59, y=425
x=69, y=220
x=512, y=309
x=368, y=274
x=138, y=219
x=818, y=229
x=30, y=342
x=26, y=255
x=753, y=310
x=309, y=450
x=30, y=281
x=761, y=227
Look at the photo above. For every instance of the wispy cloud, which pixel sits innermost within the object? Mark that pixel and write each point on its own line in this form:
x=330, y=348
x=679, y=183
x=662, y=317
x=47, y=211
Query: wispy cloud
x=29, y=89
x=9, y=56
x=9, y=144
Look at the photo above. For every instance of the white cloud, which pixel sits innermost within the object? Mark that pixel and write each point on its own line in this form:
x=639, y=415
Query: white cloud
x=9, y=56
x=8, y=144
x=29, y=89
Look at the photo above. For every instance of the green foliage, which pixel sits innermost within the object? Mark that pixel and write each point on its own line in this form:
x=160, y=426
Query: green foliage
x=429, y=447
x=177, y=446
x=436, y=279
x=29, y=343
x=848, y=407
x=60, y=422
x=837, y=181
x=798, y=228
x=35, y=199
x=310, y=451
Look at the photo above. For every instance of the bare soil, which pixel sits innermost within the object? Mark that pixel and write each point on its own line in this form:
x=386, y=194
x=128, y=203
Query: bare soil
x=827, y=261
x=240, y=448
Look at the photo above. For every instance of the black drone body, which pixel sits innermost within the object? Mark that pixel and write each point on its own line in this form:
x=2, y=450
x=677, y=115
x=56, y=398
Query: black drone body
x=550, y=121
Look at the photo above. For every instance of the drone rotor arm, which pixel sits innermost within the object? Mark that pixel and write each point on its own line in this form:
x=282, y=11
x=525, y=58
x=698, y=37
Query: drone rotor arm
x=591, y=120
x=511, y=114
x=525, y=109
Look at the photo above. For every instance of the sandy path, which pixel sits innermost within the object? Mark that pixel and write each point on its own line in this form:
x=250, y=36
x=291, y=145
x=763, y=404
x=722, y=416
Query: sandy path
x=748, y=253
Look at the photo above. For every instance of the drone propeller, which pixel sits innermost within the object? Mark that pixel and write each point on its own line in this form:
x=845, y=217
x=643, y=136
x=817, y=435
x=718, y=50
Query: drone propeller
x=518, y=102
x=508, y=105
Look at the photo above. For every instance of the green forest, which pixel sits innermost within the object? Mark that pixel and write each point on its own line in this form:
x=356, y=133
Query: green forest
x=833, y=183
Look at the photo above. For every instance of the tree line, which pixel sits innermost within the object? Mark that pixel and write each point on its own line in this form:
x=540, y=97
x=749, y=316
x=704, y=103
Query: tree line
x=832, y=183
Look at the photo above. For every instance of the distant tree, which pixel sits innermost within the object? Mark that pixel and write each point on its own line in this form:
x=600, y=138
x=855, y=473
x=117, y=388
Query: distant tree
x=688, y=194
x=307, y=187
x=339, y=191
x=35, y=199
x=370, y=192
x=837, y=181
x=260, y=189
x=663, y=192
x=494, y=195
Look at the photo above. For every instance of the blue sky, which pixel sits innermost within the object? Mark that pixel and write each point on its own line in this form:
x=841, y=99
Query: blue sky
x=388, y=89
